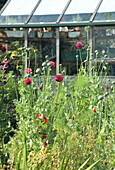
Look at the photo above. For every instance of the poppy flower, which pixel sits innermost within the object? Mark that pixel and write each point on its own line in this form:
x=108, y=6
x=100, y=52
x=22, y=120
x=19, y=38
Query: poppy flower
x=5, y=65
x=5, y=61
x=44, y=136
x=3, y=49
x=44, y=119
x=45, y=143
x=52, y=64
x=28, y=70
x=79, y=45
x=1, y=46
x=73, y=117
x=4, y=76
x=37, y=116
x=40, y=87
x=94, y=110
x=2, y=68
x=58, y=78
x=28, y=81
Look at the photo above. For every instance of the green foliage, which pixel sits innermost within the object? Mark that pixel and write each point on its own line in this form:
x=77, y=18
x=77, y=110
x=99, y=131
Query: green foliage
x=77, y=115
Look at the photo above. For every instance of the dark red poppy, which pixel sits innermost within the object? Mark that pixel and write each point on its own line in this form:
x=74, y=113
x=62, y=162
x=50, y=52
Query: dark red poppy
x=3, y=49
x=44, y=136
x=28, y=81
x=45, y=143
x=79, y=45
x=28, y=70
x=52, y=64
x=1, y=46
x=58, y=78
x=94, y=110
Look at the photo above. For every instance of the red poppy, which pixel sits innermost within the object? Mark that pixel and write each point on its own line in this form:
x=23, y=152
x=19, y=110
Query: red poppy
x=37, y=116
x=79, y=45
x=94, y=110
x=44, y=119
x=28, y=81
x=52, y=64
x=28, y=70
x=58, y=78
x=73, y=117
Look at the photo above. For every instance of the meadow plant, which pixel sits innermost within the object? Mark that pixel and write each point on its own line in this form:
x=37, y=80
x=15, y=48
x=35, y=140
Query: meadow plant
x=61, y=124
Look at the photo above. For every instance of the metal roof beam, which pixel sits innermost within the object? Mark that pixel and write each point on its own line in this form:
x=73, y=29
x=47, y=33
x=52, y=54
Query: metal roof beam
x=28, y=19
x=96, y=9
x=61, y=15
x=3, y=8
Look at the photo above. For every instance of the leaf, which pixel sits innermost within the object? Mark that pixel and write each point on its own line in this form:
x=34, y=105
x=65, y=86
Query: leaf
x=84, y=164
x=93, y=165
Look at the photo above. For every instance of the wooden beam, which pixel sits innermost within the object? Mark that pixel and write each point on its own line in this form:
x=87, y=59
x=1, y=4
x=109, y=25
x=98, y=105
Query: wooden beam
x=57, y=50
x=26, y=45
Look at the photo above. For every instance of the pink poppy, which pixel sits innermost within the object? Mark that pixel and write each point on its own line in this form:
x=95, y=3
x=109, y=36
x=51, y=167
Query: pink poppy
x=28, y=70
x=79, y=45
x=52, y=64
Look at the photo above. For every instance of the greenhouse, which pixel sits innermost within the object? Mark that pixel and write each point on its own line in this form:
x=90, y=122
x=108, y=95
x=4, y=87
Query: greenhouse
x=55, y=26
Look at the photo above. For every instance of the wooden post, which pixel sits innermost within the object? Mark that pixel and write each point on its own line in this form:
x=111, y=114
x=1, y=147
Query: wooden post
x=57, y=50
x=26, y=45
x=92, y=48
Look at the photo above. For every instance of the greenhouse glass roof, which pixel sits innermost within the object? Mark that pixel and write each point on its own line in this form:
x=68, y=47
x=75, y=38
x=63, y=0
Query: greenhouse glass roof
x=38, y=13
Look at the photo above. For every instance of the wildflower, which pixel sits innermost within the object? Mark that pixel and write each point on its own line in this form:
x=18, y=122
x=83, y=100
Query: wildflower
x=44, y=119
x=2, y=68
x=52, y=64
x=79, y=45
x=37, y=116
x=4, y=82
x=5, y=61
x=40, y=87
x=1, y=46
x=4, y=76
x=58, y=78
x=45, y=143
x=103, y=51
x=28, y=81
x=44, y=136
x=5, y=65
x=28, y=70
x=73, y=117
x=94, y=110
x=3, y=49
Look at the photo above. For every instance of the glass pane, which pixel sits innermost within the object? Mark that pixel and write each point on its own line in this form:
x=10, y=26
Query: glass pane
x=79, y=10
x=106, y=10
x=105, y=44
x=17, y=11
x=48, y=11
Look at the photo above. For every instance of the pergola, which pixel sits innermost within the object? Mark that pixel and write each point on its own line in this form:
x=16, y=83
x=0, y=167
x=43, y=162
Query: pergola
x=58, y=13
